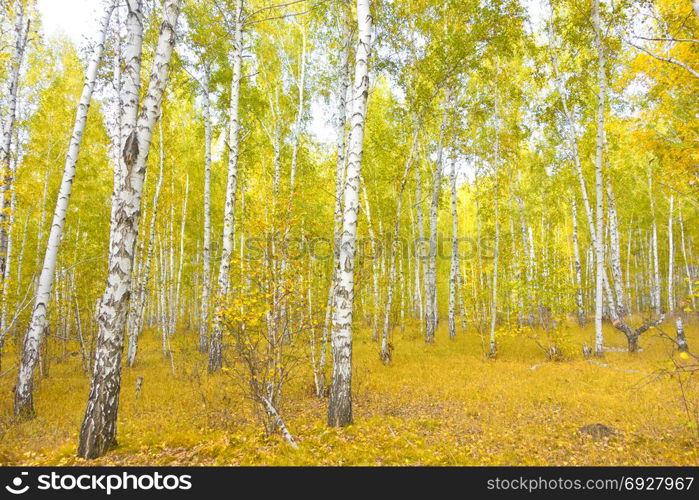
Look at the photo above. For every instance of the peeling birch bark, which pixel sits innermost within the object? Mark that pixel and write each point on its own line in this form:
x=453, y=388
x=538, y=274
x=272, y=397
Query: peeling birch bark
x=340, y=401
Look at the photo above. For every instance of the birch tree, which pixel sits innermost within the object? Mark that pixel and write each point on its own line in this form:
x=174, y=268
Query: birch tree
x=455, y=270
x=599, y=216
x=21, y=38
x=340, y=401
x=24, y=406
x=216, y=340
x=431, y=313
x=206, y=250
x=98, y=430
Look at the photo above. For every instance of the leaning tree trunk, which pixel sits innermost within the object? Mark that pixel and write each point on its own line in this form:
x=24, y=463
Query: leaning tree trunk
x=340, y=403
x=24, y=406
x=599, y=229
x=98, y=430
x=216, y=340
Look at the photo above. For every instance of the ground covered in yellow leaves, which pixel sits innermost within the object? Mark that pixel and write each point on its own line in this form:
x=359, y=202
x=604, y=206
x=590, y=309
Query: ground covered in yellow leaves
x=434, y=405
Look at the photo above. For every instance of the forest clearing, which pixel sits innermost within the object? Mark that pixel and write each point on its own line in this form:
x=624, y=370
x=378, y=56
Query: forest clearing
x=435, y=405
x=349, y=232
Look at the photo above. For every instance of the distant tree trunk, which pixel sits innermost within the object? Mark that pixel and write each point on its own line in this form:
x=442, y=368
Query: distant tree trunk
x=206, y=270
x=24, y=407
x=136, y=315
x=681, y=338
x=216, y=340
x=455, y=268
x=299, y=113
x=670, y=260
x=655, y=280
x=98, y=430
x=340, y=401
x=374, y=267
x=492, y=352
x=431, y=312
x=578, y=270
x=180, y=261
x=615, y=253
x=599, y=229
x=421, y=257
x=687, y=268
x=394, y=254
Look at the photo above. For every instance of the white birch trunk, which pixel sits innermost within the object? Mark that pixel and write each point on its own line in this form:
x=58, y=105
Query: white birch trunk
x=374, y=267
x=421, y=257
x=670, y=260
x=687, y=268
x=340, y=401
x=206, y=270
x=24, y=406
x=299, y=113
x=655, y=279
x=21, y=37
x=496, y=252
x=340, y=168
x=386, y=348
x=180, y=262
x=578, y=269
x=615, y=253
x=431, y=314
x=98, y=430
x=215, y=342
x=137, y=315
x=454, y=271
x=599, y=229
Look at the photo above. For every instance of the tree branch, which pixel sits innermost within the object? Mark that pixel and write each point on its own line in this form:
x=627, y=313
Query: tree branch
x=666, y=59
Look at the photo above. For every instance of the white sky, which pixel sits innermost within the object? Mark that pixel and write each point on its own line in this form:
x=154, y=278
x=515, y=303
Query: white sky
x=76, y=19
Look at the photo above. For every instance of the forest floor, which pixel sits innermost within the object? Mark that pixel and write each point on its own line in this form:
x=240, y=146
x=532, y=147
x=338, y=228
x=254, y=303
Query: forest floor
x=442, y=404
